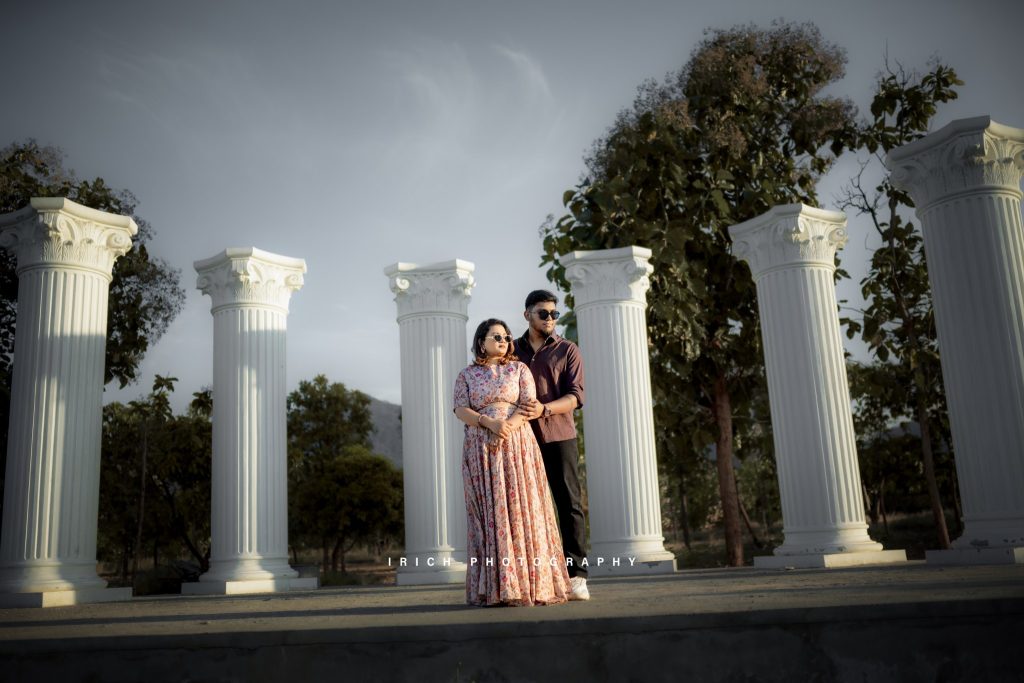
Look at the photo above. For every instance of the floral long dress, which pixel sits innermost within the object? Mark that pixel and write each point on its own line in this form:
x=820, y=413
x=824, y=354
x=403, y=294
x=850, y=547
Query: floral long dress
x=515, y=550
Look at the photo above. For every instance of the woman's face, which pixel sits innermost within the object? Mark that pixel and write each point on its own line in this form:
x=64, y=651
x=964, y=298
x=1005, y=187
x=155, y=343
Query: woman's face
x=496, y=349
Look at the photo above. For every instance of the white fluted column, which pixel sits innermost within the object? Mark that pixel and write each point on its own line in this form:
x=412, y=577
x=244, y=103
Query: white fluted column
x=250, y=290
x=65, y=254
x=965, y=180
x=609, y=287
x=791, y=252
x=432, y=313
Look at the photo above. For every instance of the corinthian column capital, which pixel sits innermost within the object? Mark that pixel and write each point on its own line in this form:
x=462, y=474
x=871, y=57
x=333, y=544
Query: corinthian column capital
x=608, y=275
x=966, y=155
x=250, y=276
x=55, y=231
x=436, y=289
x=787, y=236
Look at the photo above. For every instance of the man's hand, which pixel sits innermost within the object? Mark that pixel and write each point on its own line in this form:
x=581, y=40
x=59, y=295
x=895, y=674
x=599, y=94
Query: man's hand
x=531, y=409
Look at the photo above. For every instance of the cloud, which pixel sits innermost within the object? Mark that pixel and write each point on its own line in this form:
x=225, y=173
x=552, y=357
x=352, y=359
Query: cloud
x=529, y=70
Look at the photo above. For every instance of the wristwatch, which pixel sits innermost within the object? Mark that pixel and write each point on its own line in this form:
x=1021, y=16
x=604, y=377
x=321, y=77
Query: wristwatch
x=547, y=411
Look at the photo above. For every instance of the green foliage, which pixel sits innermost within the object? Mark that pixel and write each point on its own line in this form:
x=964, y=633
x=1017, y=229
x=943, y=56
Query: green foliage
x=324, y=419
x=743, y=127
x=340, y=493
x=156, y=467
x=356, y=498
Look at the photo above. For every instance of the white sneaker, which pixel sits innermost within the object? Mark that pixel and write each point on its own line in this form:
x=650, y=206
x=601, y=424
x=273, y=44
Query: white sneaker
x=578, y=588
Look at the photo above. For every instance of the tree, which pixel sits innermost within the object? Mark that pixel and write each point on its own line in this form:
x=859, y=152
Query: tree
x=153, y=415
x=325, y=418
x=357, y=498
x=155, y=480
x=742, y=127
x=888, y=477
x=144, y=294
x=899, y=323
x=181, y=474
x=325, y=421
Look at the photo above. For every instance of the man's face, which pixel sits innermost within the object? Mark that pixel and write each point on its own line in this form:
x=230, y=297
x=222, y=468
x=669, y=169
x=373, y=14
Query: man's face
x=533, y=317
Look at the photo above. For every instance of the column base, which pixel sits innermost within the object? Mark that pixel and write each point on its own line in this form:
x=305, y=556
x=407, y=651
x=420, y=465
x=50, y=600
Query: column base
x=960, y=556
x=645, y=555
x=249, y=569
x=455, y=572
x=830, y=560
x=64, y=598
x=631, y=565
x=50, y=576
x=248, y=587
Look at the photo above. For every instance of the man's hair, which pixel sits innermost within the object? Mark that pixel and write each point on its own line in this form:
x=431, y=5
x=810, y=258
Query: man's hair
x=539, y=296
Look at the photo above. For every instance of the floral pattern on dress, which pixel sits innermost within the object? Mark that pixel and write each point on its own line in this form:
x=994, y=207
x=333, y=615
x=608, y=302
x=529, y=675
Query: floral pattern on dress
x=514, y=548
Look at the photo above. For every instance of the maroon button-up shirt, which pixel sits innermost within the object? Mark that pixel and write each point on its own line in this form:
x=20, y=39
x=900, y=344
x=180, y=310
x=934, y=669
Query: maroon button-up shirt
x=557, y=369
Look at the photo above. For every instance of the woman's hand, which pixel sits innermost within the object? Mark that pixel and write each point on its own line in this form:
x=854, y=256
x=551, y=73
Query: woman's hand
x=501, y=428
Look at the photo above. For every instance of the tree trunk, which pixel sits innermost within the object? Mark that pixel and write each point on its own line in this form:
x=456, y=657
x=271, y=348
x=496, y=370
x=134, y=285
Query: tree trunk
x=684, y=505
x=871, y=504
x=325, y=561
x=193, y=550
x=939, y=515
x=881, y=507
x=746, y=520
x=124, y=566
x=334, y=555
x=137, y=550
x=959, y=511
x=727, y=476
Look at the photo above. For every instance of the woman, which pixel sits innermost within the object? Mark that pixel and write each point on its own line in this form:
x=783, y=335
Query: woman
x=515, y=552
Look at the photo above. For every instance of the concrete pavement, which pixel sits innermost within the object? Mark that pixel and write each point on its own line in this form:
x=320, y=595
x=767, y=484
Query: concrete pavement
x=911, y=622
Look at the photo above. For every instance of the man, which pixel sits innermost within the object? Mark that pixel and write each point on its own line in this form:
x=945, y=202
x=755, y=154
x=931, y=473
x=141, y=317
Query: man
x=558, y=371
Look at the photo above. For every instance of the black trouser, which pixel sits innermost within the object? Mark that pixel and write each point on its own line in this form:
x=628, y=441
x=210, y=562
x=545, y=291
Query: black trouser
x=561, y=460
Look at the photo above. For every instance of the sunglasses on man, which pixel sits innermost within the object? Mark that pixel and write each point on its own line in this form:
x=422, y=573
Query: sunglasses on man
x=544, y=314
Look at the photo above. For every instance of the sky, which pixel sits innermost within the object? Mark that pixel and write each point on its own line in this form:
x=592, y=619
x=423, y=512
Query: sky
x=356, y=134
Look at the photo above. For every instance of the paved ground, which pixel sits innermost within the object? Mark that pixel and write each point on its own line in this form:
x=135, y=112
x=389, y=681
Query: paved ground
x=711, y=618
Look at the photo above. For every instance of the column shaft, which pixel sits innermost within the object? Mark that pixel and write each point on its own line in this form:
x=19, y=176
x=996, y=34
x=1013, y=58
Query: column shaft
x=822, y=503
x=54, y=432
x=250, y=522
x=609, y=288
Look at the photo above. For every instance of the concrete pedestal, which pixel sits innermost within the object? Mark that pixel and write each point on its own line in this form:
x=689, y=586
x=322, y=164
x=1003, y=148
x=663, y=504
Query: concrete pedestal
x=65, y=254
x=432, y=306
x=609, y=287
x=250, y=291
x=791, y=252
x=965, y=180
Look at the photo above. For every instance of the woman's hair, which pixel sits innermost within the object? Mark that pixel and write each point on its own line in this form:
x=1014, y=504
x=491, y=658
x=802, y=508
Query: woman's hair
x=479, y=356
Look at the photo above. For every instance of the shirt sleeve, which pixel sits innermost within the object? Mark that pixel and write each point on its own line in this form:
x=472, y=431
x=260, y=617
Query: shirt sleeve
x=461, y=394
x=572, y=379
x=527, y=386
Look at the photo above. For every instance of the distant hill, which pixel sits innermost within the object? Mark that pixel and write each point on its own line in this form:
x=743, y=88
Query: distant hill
x=387, y=430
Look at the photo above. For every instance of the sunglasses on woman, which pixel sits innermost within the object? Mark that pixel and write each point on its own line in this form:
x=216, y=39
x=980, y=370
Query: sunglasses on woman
x=498, y=338
x=544, y=314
